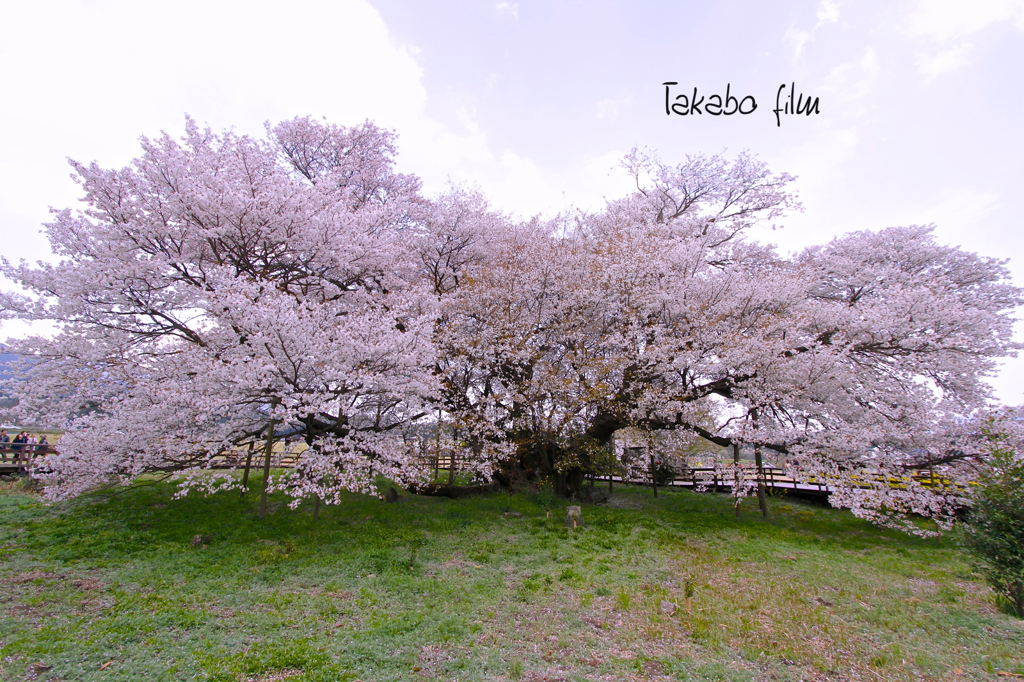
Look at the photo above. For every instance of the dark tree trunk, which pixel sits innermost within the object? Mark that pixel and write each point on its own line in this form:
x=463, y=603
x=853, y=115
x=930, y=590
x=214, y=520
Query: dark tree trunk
x=538, y=459
x=762, y=495
x=437, y=450
x=248, y=464
x=451, y=469
x=736, y=477
x=568, y=484
x=268, y=451
x=654, y=472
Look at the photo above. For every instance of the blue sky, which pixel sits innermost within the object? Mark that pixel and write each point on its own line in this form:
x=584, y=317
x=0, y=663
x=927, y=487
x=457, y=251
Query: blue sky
x=922, y=102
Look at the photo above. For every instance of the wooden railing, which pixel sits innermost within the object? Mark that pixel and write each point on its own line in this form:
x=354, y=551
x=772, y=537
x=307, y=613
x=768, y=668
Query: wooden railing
x=777, y=479
x=283, y=456
x=720, y=478
x=17, y=457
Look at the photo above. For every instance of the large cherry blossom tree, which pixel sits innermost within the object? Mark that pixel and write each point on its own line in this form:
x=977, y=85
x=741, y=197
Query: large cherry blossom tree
x=223, y=287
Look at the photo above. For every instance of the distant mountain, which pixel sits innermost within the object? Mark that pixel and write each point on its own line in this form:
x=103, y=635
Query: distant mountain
x=6, y=360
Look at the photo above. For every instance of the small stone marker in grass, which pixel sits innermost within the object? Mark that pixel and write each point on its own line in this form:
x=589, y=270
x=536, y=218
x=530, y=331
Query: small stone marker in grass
x=573, y=517
x=391, y=495
x=200, y=541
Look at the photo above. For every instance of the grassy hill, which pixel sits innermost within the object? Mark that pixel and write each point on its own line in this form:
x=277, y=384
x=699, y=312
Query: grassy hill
x=488, y=588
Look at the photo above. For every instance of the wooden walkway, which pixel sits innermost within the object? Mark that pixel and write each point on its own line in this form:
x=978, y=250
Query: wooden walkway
x=17, y=458
x=774, y=480
x=709, y=479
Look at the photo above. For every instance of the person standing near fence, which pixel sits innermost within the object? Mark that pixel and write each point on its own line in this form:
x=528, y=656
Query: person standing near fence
x=5, y=445
x=17, y=444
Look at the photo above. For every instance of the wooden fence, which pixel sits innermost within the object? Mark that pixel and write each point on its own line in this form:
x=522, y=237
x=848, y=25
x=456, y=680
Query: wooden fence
x=17, y=457
x=720, y=479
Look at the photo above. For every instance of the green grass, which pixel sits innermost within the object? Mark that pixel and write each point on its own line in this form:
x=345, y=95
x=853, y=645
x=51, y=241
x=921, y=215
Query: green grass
x=111, y=588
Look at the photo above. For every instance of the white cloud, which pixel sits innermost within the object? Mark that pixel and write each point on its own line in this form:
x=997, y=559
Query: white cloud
x=608, y=109
x=933, y=65
x=797, y=39
x=853, y=80
x=828, y=12
x=821, y=164
x=944, y=25
x=89, y=78
x=945, y=20
x=520, y=186
x=958, y=211
x=507, y=9
x=84, y=79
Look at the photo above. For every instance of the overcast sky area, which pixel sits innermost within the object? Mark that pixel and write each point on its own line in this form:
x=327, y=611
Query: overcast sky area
x=921, y=102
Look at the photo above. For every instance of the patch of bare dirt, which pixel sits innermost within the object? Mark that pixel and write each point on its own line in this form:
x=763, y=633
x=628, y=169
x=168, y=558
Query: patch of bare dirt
x=275, y=676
